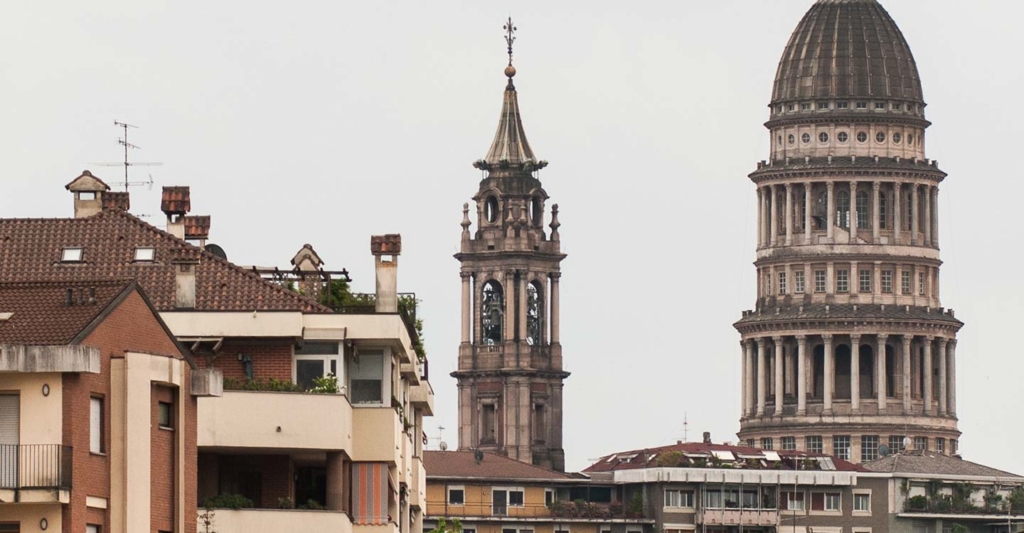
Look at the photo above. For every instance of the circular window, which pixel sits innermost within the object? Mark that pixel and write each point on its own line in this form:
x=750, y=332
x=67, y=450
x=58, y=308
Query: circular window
x=862, y=137
x=491, y=210
x=792, y=139
x=910, y=139
x=806, y=138
x=897, y=138
x=843, y=137
x=880, y=136
x=823, y=137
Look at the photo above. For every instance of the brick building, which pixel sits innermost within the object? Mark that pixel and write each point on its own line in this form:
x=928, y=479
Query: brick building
x=97, y=411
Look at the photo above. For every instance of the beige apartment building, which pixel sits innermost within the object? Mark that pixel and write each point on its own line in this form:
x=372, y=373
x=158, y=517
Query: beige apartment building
x=319, y=426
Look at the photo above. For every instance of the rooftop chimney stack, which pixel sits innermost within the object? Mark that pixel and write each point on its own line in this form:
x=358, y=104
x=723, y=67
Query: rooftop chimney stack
x=707, y=437
x=175, y=203
x=385, y=250
x=197, y=228
x=116, y=200
x=89, y=192
x=185, y=261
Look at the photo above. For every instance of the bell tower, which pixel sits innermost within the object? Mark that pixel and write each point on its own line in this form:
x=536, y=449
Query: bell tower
x=510, y=375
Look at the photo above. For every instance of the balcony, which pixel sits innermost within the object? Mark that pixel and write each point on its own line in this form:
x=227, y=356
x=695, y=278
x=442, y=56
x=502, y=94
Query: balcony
x=36, y=473
x=275, y=520
x=737, y=517
x=276, y=420
x=379, y=430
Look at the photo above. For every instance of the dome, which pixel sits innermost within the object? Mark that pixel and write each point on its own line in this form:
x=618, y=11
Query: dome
x=847, y=49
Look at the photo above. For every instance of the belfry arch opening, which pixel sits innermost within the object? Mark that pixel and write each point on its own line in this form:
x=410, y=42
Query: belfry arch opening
x=534, y=314
x=492, y=313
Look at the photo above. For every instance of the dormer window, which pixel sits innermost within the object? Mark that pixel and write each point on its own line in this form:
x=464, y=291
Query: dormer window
x=71, y=255
x=144, y=254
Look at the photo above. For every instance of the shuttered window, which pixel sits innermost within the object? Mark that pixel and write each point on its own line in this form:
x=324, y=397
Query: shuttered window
x=96, y=425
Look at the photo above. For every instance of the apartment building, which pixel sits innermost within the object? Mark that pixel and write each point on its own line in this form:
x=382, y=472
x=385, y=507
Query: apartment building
x=491, y=493
x=320, y=428
x=97, y=411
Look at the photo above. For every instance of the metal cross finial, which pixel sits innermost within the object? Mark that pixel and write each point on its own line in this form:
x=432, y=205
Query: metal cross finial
x=510, y=37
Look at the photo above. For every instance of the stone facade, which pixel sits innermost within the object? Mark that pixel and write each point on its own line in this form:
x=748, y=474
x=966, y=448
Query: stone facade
x=510, y=360
x=849, y=347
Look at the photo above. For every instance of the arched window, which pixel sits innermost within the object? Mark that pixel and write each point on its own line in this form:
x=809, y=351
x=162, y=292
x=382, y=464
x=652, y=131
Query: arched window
x=863, y=209
x=883, y=210
x=492, y=312
x=534, y=313
x=843, y=209
x=537, y=211
x=491, y=210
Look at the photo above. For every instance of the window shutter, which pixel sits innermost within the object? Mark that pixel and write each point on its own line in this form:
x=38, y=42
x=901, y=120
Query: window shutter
x=10, y=410
x=96, y=425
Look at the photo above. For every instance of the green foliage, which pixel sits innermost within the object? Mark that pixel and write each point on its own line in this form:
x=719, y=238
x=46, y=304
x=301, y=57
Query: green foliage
x=270, y=385
x=635, y=506
x=1017, y=500
x=670, y=459
x=444, y=527
x=993, y=499
x=285, y=503
x=917, y=503
x=325, y=385
x=959, y=528
x=312, y=505
x=228, y=501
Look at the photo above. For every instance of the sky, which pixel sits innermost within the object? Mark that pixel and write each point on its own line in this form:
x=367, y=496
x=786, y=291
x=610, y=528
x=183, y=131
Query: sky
x=328, y=122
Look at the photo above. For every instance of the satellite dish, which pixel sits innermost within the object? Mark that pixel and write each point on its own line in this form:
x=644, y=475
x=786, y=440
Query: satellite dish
x=479, y=455
x=217, y=251
x=883, y=450
x=906, y=443
x=444, y=446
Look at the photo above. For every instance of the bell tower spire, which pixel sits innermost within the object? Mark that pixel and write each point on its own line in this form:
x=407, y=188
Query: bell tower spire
x=510, y=374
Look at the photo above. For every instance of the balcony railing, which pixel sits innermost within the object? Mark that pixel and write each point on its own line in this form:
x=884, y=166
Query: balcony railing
x=35, y=466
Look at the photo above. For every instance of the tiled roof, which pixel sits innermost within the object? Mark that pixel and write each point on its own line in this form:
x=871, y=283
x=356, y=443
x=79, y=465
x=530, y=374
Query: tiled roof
x=45, y=312
x=30, y=250
x=116, y=200
x=929, y=463
x=847, y=311
x=175, y=200
x=197, y=227
x=463, y=465
x=648, y=457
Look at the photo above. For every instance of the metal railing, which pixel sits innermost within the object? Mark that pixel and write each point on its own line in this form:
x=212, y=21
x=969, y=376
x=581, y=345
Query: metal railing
x=35, y=466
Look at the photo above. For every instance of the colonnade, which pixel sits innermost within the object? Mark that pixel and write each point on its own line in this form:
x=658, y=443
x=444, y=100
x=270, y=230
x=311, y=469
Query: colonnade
x=922, y=367
x=547, y=287
x=779, y=203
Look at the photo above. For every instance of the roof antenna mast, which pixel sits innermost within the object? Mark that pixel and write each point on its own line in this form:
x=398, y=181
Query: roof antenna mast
x=123, y=141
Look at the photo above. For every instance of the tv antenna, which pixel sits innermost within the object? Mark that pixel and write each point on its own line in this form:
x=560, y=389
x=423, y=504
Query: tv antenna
x=123, y=141
x=441, y=444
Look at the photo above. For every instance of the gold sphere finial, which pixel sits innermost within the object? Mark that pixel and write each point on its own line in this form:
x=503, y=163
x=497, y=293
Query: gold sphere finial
x=510, y=71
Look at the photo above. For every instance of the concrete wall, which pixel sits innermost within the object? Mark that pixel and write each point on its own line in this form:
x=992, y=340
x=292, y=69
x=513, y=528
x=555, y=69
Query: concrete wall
x=276, y=520
x=285, y=421
x=29, y=516
x=379, y=430
x=41, y=416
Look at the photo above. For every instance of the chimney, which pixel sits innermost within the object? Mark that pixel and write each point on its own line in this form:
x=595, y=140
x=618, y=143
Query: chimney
x=175, y=203
x=707, y=437
x=197, y=228
x=385, y=250
x=185, y=261
x=89, y=191
x=116, y=200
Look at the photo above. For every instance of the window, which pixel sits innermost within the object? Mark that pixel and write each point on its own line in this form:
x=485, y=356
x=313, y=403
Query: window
x=766, y=443
x=368, y=377
x=534, y=313
x=793, y=501
x=549, y=497
x=768, y=284
x=862, y=503
x=953, y=446
x=751, y=443
x=880, y=137
x=843, y=209
x=89, y=528
x=841, y=447
x=491, y=209
x=679, y=498
x=515, y=498
x=905, y=282
x=897, y=107
x=790, y=107
x=798, y=281
x=488, y=434
x=940, y=445
x=144, y=254
x=862, y=137
x=96, y=425
x=826, y=501
x=71, y=255
x=863, y=209
x=910, y=139
x=806, y=106
x=921, y=443
x=897, y=138
x=806, y=138
x=539, y=423
x=883, y=210
x=315, y=360
x=87, y=195
x=788, y=443
x=887, y=281
x=782, y=283
x=819, y=281
x=492, y=313
x=456, y=496
x=164, y=417
x=815, y=445
x=822, y=105
x=920, y=283
x=865, y=280
x=880, y=105
x=823, y=137
x=896, y=443
x=842, y=105
x=792, y=138
x=862, y=105
x=843, y=137
x=868, y=448
x=842, y=281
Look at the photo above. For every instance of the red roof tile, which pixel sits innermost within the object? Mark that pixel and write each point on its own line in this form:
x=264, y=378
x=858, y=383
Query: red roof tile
x=175, y=200
x=116, y=200
x=30, y=250
x=463, y=464
x=54, y=312
x=197, y=227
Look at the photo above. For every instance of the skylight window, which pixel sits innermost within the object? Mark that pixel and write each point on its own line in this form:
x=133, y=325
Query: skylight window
x=71, y=255
x=144, y=254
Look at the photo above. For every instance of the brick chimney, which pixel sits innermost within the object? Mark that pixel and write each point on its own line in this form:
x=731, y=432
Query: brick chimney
x=197, y=228
x=89, y=191
x=116, y=200
x=175, y=203
x=185, y=261
x=385, y=250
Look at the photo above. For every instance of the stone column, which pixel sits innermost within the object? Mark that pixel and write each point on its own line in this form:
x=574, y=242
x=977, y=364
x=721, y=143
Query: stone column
x=748, y=378
x=760, y=216
x=854, y=277
x=554, y=307
x=853, y=211
x=935, y=216
x=928, y=389
x=521, y=305
x=780, y=385
x=762, y=378
x=508, y=324
x=907, y=339
x=876, y=281
x=830, y=373
x=855, y=372
x=801, y=373
x=830, y=215
x=927, y=216
x=876, y=226
x=808, y=187
x=789, y=214
x=952, y=377
x=880, y=375
x=897, y=209
x=466, y=276
x=943, y=398
x=773, y=214
x=914, y=210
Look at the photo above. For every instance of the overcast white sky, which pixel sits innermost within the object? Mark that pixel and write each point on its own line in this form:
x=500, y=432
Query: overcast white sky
x=326, y=122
